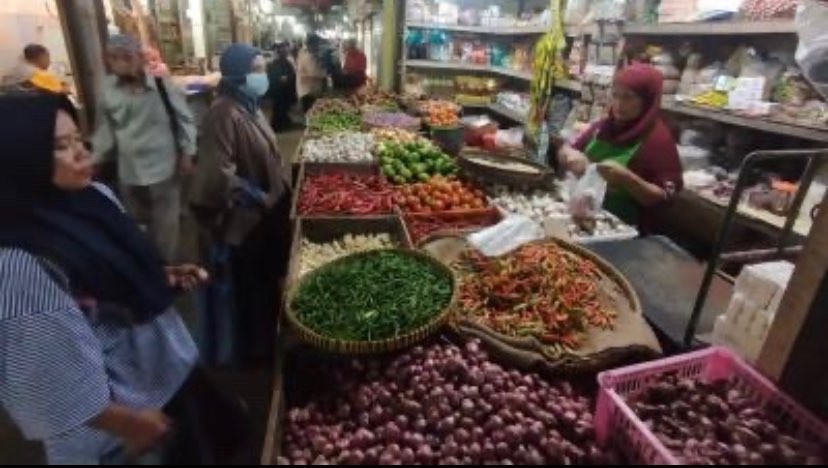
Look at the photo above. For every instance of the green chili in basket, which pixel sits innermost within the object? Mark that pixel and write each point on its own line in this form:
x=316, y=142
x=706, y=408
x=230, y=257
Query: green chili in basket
x=375, y=296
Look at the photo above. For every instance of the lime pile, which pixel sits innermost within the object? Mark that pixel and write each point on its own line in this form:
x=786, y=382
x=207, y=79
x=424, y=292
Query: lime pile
x=413, y=162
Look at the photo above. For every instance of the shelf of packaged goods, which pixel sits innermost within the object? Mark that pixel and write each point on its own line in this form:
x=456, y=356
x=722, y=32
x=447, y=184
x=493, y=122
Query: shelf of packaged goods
x=459, y=66
x=495, y=30
x=757, y=123
x=712, y=29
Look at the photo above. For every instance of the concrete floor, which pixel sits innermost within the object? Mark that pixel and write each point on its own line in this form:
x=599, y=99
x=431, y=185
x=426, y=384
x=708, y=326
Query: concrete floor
x=254, y=386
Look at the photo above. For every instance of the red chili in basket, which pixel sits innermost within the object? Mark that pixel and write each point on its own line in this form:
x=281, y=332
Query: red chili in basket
x=345, y=193
x=422, y=226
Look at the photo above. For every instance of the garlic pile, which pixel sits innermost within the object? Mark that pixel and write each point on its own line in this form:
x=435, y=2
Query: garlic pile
x=542, y=205
x=537, y=204
x=313, y=255
x=397, y=135
x=341, y=147
x=604, y=226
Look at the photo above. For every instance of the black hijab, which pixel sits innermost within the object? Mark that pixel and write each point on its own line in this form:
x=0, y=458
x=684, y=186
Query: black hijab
x=100, y=250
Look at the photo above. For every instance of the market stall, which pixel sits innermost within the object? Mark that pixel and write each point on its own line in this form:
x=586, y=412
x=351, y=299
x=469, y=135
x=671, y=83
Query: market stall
x=455, y=309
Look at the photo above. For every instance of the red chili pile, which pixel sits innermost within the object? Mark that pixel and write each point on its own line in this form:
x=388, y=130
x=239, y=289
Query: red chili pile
x=421, y=226
x=345, y=193
x=539, y=290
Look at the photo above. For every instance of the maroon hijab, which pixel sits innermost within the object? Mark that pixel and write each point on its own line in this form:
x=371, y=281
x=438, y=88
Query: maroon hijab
x=646, y=82
x=657, y=160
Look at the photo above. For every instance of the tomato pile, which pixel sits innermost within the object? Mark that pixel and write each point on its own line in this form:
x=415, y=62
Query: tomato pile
x=440, y=113
x=439, y=194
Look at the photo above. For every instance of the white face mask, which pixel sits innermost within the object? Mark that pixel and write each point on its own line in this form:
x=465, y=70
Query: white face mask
x=256, y=84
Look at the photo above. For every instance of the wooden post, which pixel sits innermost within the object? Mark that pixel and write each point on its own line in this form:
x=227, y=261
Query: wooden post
x=797, y=345
x=84, y=29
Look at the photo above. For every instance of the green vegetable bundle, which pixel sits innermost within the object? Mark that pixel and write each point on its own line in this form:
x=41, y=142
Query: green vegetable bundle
x=373, y=296
x=334, y=122
x=414, y=162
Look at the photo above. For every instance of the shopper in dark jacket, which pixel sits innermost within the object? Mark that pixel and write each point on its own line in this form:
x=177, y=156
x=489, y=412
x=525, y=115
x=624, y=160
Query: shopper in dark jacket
x=281, y=74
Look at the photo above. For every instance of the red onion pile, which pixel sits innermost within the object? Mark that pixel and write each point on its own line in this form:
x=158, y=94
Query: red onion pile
x=719, y=423
x=441, y=404
x=391, y=120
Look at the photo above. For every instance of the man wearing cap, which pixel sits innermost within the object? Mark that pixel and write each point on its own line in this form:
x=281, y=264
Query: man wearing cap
x=143, y=123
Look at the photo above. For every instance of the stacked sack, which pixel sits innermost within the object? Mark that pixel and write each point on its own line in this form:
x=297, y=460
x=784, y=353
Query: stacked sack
x=756, y=298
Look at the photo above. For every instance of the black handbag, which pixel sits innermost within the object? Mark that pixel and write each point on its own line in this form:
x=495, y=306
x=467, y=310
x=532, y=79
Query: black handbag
x=210, y=425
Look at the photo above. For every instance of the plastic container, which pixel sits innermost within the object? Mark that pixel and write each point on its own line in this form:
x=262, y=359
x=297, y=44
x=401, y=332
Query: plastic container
x=449, y=139
x=617, y=424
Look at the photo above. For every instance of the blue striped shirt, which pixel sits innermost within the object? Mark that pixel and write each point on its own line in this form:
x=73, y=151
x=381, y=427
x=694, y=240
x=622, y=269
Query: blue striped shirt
x=60, y=366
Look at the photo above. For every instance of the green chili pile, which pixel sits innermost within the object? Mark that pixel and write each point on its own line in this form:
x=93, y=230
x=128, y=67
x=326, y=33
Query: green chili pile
x=371, y=297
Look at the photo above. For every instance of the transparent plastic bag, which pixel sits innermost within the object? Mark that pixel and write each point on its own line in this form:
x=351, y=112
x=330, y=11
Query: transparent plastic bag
x=812, y=53
x=586, y=195
x=506, y=236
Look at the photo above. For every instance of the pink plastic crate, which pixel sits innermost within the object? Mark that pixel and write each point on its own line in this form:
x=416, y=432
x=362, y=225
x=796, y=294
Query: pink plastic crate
x=617, y=424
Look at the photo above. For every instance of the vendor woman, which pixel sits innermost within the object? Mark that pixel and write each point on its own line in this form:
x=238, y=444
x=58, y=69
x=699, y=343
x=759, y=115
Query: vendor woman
x=633, y=148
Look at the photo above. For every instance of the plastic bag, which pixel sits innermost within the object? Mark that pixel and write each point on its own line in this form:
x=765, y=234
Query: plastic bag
x=512, y=138
x=576, y=11
x=586, y=195
x=506, y=236
x=812, y=53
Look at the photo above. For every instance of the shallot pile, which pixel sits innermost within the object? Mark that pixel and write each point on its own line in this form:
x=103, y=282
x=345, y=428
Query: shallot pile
x=392, y=120
x=718, y=423
x=441, y=405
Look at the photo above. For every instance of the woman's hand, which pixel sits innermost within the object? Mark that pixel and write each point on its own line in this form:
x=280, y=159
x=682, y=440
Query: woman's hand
x=147, y=431
x=618, y=176
x=615, y=174
x=139, y=430
x=186, y=277
x=573, y=160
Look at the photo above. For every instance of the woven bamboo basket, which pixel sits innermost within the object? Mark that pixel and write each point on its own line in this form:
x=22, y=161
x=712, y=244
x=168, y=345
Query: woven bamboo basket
x=470, y=164
x=317, y=340
x=564, y=362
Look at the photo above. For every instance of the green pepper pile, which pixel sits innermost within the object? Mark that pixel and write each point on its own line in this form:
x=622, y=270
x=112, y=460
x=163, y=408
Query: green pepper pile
x=371, y=297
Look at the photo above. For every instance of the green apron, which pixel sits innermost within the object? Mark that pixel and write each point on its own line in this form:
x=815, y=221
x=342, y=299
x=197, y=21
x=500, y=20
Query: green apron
x=617, y=201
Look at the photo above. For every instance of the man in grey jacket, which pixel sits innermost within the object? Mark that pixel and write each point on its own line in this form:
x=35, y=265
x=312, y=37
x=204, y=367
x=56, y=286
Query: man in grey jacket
x=145, y=125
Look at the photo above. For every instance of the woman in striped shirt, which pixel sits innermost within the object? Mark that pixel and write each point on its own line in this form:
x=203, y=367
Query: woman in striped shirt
x=93, y=357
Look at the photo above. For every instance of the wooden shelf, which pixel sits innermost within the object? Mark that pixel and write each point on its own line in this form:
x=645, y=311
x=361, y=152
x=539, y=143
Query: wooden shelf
x=759, y=219
x=469, y=67
x=571, y=85
x=712, y=28
x=498, y=109
x=756, y=123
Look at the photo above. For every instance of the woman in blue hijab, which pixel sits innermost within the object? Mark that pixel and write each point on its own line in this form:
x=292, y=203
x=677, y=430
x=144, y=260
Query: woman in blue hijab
x=94, y=360
x=241, y=200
